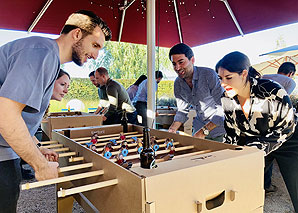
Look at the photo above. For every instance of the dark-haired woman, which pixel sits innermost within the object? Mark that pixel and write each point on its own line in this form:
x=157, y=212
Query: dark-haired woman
x=132, y=90
x=258, y=112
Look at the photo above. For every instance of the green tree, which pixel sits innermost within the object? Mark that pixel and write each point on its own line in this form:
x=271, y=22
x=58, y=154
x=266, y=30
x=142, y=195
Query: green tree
x=128, y=61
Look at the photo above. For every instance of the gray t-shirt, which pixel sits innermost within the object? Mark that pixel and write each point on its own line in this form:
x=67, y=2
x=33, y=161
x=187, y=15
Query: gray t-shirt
x=285, y=81
x=28, y=70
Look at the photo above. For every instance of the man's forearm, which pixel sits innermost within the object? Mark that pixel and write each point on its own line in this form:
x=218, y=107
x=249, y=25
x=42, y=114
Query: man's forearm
x=175, y=126
x=15, y=132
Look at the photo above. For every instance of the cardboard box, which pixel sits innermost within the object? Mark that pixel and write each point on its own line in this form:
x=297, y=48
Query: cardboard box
x=61, y=120
x=226, y=179
x=165, y=116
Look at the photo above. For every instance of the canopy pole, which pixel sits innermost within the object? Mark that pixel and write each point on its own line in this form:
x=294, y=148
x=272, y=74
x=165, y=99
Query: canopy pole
x=151, y=84
x=233, y=16
x=178, y=21
x=124, y=8
x=38, y=17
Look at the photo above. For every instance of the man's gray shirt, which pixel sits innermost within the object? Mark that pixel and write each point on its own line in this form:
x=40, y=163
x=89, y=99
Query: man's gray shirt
x=28, y=70
x=204, y=97
x=285, y=81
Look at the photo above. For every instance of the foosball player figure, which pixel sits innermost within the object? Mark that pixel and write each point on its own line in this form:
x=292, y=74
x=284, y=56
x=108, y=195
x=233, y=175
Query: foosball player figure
x=170, y=146
x=122, y=162
x=169, y=142
x=134, y=140
x=107, y=149
x=154, y=144
x=122, y=136
x=124, y=148
x=114, y=142
x=139, y=145
x=93, y=139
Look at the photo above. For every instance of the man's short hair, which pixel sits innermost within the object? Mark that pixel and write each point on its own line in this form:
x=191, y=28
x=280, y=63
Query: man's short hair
x=92, y=74
x=158, y=74
x=86, y=21
x=102, y=71
x=181, y=49
x=286, y=68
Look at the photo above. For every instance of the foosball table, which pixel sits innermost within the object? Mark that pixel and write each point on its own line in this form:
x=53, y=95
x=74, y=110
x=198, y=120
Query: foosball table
x=196, y=175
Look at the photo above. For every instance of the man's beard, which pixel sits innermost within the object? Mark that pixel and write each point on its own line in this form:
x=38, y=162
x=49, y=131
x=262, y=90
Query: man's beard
x=77, y=53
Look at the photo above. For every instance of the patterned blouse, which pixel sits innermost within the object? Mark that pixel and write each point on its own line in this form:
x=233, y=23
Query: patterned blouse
x=270, y=121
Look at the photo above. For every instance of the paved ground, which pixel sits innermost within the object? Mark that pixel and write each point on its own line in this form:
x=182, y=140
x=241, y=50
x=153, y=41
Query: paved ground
x=42, y=200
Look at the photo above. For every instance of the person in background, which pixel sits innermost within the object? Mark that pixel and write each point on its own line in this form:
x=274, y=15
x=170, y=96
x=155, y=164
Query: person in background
x=140, y=99
x=132, y=90
x=36, y=61
x=259, y=113
x=92, y=78
x=102, y=94
x=117, y=97
x=61, y=86
x=196, y=87
x=284, y=76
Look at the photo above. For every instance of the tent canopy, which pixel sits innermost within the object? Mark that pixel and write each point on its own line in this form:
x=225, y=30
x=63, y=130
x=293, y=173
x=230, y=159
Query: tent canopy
x=198, y=21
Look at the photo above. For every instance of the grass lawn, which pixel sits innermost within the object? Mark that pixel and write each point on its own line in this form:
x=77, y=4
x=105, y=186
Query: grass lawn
x=57, y=106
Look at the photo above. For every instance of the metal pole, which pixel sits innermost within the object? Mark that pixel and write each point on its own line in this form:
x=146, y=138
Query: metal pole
x=151, y=63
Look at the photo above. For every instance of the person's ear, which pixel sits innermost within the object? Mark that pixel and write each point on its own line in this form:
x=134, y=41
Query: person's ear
x=77, y=34
x=244, y=74
x=192, y=60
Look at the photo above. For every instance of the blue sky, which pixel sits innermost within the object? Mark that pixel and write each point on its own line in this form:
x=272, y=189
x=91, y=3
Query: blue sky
x=208, y=55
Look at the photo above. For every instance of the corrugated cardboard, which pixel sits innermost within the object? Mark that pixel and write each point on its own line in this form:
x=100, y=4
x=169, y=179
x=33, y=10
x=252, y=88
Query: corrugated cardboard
x=227, y=179
x=69, y=120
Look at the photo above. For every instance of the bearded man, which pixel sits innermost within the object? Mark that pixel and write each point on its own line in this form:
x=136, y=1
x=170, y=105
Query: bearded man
x=35, y=61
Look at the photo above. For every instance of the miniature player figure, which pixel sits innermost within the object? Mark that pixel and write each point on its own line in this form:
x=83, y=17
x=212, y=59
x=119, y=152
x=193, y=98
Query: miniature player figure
x=107, y=149
x=134, y=140
x=169, y=146
x=154, y=144
x=122, y=162
x=124, y=148
x=114, y=142
x=122, y=136
x=139, y=145
x=169, y=142
x=93, y=139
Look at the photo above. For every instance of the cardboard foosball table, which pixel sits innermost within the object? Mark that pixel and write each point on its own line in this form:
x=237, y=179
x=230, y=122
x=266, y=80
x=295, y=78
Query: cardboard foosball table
x=59, y=120
x=203, y=176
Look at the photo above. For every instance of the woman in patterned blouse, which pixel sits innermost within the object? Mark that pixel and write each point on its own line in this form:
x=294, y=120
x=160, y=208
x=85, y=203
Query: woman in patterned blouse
x=258, y=112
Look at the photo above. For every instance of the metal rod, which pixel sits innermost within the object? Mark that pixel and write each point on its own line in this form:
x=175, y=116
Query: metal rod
x=233, y=16
x=125, y=7
x=38, y=17
x=178, y=21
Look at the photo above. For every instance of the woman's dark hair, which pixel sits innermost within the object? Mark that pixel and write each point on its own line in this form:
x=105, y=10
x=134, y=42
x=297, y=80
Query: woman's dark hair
x=140, y=80
x=237, y=62
x=61, y=73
